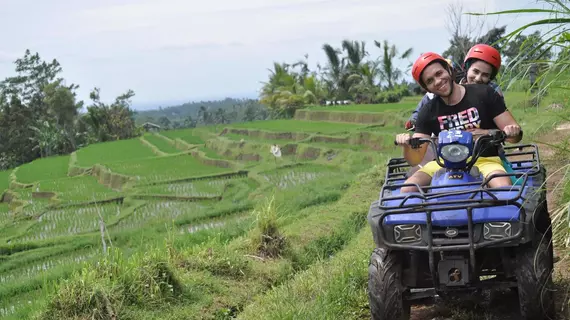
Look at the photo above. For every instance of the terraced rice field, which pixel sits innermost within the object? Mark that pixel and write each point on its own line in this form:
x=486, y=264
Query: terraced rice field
x=223, y=229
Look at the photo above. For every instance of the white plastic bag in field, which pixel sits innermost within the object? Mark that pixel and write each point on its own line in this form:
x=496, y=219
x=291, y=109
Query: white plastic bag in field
x=275, y=150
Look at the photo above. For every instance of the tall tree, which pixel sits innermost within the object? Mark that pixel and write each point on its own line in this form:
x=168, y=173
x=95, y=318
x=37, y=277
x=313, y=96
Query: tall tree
x=35, y=95
x=389, y=73
x=111, y=122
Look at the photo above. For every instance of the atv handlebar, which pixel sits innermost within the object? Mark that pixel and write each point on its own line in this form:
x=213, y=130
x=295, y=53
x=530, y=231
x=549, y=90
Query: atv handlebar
x=493, y=137
x=415, y=143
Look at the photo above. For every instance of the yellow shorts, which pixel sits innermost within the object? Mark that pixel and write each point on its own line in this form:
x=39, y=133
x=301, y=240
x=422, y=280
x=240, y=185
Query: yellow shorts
x=486, y=165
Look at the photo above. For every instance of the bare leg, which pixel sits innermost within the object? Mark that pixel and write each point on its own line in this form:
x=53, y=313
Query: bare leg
x=499, y=182
x=420, y=178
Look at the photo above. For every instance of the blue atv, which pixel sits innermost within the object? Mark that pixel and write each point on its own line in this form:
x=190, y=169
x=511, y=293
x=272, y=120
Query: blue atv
x=458, y=237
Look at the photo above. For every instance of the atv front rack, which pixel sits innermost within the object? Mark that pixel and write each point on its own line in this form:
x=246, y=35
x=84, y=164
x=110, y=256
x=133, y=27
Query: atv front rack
x=474, y=199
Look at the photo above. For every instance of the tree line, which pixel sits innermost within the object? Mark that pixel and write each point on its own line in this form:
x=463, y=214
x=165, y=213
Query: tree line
x=192, y=114
x=41, y=116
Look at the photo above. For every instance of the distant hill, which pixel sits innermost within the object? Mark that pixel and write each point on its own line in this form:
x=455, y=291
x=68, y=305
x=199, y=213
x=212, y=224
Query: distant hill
x=183, y=111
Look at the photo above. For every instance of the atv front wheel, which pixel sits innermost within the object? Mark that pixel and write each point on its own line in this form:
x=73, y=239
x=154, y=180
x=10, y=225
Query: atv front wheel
x=385, y=290
x=534, y=280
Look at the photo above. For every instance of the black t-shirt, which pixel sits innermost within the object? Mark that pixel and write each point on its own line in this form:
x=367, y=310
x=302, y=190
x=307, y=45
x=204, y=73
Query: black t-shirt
x=480, y=105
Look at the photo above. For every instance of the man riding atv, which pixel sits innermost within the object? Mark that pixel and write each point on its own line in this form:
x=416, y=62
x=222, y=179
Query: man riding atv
x=481, y=65
x=472, y=107
x=459, y=226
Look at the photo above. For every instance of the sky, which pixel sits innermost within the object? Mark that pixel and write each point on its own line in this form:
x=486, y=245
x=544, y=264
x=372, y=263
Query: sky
x=175, y=51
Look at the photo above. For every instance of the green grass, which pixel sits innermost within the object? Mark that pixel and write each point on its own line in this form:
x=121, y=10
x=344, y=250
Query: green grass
x=329, y=289
x=121, y=150
x=291, y=177
x=161, y=212
x=200, y=188
x=5, y=215
x=165, y=168
x=210, y=153
x=302, y=256
x=68, y=222
x=335, y=145
x=43, y=169
x=5, y=179
x=184, y=134
x=298, y=126
x=22, y=306
x=161, y=144
x=78, y=189
x=369, y=107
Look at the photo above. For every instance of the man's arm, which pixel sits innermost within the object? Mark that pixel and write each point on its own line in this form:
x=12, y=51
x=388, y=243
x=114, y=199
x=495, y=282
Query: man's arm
x=503, y=117
x=506, y=122
x=412, y=156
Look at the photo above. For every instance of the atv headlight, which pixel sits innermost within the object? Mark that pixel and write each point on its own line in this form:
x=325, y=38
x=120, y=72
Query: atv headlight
x=497, y=230
x=455, y=152
x=404, y=233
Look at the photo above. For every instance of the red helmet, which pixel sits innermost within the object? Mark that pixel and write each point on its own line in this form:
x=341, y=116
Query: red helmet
x=422, y=62
x=486, y=53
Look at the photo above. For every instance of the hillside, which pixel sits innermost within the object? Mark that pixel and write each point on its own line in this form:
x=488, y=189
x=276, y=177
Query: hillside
x=206, y=223
x=233, y=110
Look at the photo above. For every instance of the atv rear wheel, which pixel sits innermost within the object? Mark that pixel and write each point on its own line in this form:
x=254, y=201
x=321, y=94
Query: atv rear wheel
x=534, y=279
x=385, y=289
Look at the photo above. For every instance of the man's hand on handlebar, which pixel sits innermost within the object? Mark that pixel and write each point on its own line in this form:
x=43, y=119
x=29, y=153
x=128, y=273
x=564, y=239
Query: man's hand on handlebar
x=512, y=130
x=402, y=139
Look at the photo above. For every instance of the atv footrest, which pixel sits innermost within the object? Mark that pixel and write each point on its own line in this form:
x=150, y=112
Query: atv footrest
x=418, y=294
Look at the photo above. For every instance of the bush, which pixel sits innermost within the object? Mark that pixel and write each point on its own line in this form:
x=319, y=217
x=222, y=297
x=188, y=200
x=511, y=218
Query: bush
x=266, y=237
x=388, y=97
x=403, y=90
x=393, y=97
x=100, y=292
x=220, y=261
x=380, y=98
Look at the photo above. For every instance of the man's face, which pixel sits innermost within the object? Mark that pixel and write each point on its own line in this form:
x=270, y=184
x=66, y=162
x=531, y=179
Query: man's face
x=479, y=72
x=437, y=79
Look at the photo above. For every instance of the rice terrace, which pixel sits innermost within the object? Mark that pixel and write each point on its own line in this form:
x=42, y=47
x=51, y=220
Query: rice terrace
x=204, y=223
x=237, y=209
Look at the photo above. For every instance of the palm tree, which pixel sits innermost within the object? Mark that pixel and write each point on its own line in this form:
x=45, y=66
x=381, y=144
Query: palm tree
x=335, y=74
x=389, y=73
x=363, y=86
x=355, y=54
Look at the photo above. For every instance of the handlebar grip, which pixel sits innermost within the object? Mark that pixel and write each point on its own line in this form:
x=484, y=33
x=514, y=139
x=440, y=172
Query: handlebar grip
x=414, y=142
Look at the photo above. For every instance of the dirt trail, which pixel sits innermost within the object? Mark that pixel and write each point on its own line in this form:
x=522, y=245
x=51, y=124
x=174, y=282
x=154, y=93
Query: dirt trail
x=505, y=307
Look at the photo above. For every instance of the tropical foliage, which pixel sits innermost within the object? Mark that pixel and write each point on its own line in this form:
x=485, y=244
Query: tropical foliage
x=349, y=74
x=40, y=115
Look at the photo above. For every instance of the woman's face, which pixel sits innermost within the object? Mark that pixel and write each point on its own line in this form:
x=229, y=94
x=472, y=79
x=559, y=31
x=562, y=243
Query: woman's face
x=479, y=72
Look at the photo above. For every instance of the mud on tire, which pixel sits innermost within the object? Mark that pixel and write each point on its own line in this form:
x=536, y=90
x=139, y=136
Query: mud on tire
x=385, y=290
